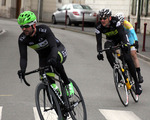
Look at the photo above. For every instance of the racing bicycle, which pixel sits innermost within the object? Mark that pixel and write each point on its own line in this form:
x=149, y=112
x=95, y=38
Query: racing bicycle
x=52, y=104
x=123, y=80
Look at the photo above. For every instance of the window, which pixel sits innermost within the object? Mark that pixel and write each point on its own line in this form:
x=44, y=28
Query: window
x=59, y=1
x=77, y=7
x=145, y=11
x=144, y=7
x=86, y=7
x=148, y=8
x=134, y=6
x=64, y=7
x=3, y=2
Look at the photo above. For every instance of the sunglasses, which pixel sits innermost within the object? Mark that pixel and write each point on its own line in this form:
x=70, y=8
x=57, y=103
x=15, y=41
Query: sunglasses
x=103, y=18
x=25, y=26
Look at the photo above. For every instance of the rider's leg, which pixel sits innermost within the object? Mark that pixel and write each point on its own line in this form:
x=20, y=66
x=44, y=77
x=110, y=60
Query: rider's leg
x=131, y=66
x=60, y=69
x=69, y=86
x=61, y=58
x=109, y=54
x=137, y=65
x=62, y=55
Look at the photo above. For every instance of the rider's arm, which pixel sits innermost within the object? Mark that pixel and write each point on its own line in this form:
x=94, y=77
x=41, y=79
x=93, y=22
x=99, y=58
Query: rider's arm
x=52, y=43
x=121, y=33
x=131, y=30
x=134, y=34
x=98, y=39
x=23, y=55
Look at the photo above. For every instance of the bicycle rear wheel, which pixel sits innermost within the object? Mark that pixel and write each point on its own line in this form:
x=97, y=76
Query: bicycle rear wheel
x=132, y=90
x=121, y=87
x=47, y=104
x=77, y=104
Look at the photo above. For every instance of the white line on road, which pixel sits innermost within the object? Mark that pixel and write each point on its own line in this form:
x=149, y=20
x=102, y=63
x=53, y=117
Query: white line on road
x=36, y=115
x=51, y=114
x=2, y=31
x=5, y=95
x=1, y=113
x=118, y=115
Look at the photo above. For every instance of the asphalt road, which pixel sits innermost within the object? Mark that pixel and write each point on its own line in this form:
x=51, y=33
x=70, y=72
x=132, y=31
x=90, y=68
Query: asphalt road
x=92, y=76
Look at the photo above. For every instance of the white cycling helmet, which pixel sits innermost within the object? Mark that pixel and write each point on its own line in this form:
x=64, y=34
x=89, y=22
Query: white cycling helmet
x=105, y=13
x=120, y=16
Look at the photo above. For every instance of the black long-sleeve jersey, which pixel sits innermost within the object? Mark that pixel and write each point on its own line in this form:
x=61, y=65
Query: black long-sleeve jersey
x=43, y=42
x=114, y=32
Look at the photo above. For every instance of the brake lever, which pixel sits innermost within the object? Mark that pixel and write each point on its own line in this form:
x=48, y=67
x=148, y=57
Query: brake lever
x=26, y=82
x=23, y=79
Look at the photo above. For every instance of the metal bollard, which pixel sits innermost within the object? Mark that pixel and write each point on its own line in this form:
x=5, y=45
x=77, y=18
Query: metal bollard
x=66, y=18
x=129, y=18
x=83, y=22
x=135, y=27
x=143, y=49
x=97, y=19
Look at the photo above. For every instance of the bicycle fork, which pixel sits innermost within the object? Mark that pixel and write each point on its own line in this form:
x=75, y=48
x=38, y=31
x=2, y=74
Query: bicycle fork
x=126, y=79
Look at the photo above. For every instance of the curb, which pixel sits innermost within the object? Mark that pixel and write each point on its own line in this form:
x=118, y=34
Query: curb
x=143, y=57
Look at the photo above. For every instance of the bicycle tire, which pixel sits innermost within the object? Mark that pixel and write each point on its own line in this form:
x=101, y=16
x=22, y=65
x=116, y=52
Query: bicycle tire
x=121, y=87
x=44, y=100
x=77, y=112
x=132, y=90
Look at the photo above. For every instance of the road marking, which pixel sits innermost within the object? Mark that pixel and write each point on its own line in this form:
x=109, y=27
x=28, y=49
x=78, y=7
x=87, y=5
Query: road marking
x=1, y=113
x=2, y=31
x=51, y=114
x=5, y=95
x=118, y=115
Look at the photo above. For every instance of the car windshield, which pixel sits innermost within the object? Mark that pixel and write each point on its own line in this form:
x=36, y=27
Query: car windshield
x=86, y=7
x=81, y=7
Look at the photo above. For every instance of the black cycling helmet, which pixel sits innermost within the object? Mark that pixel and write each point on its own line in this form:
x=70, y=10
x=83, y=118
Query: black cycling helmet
x=105, y=13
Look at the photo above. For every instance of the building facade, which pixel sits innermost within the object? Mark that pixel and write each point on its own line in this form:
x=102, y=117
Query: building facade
x=44, y=9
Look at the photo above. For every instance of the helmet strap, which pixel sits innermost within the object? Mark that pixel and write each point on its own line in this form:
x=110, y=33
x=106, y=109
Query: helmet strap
x=33, y=30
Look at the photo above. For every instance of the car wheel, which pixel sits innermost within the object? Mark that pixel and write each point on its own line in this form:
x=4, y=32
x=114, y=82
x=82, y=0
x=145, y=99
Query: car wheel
x=68, y=21
x=54, y=20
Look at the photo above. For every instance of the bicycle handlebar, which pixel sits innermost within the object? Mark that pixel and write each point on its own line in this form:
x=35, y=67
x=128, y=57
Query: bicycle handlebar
x=33, y=71
x=111, y=48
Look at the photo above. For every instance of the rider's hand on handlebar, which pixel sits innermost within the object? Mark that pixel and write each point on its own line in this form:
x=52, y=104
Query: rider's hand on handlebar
x=21, y=74
x=52, y=62
x=125, y=47
x=100, y=56
x=136, y=45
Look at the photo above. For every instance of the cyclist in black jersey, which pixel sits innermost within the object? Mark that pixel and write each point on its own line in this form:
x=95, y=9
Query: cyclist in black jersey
x=115, y=34
x=50, y=50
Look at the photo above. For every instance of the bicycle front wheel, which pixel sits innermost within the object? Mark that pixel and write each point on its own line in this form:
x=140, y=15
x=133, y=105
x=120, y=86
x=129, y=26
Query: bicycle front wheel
x=121, y=87
x=77, y=104
x=46, y=103
x=132, y=90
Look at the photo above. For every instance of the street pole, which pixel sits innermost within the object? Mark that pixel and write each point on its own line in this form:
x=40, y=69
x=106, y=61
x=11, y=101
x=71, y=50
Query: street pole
x=138, y=16
x=39, y=4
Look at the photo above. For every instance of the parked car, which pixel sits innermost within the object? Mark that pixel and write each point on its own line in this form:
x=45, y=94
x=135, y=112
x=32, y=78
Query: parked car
x=74, y=14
